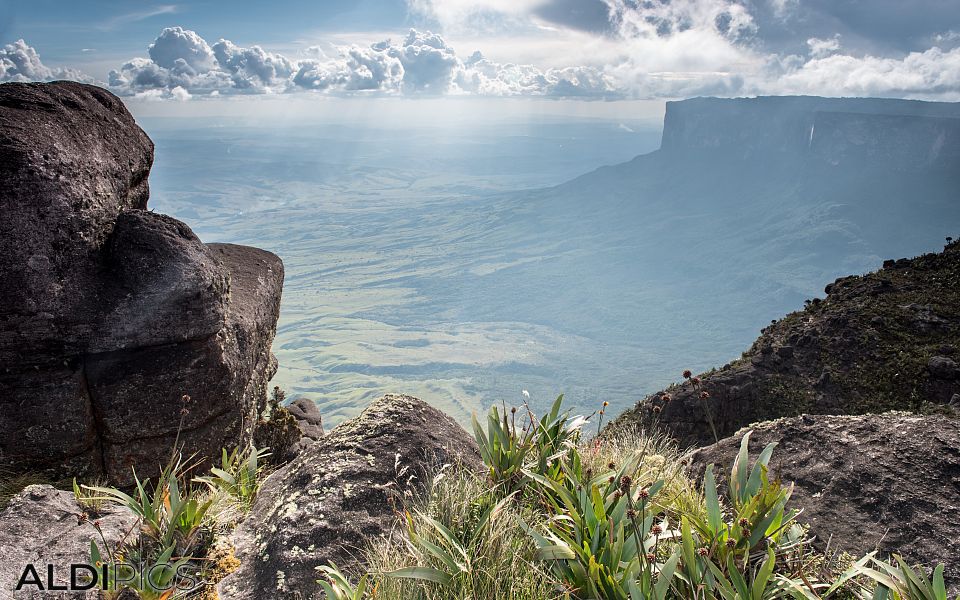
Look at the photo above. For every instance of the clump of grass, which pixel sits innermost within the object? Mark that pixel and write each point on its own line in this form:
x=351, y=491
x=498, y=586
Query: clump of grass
x=12, y=484
x=89, y=501
x=460, y=540
x=178, y=517
x=239, y=476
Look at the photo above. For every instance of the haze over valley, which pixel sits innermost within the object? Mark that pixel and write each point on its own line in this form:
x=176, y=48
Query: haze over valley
x=465, y=264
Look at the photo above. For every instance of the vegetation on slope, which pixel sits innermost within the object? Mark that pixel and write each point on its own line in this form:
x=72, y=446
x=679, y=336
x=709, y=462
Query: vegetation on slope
x=558, y=516
x=888, y=340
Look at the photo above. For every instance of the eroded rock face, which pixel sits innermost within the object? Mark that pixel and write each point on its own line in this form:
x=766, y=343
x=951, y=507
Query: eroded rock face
x=333, y=498
x=888, y=340
x=40, y=526
x=889, y=481
x=109, y=313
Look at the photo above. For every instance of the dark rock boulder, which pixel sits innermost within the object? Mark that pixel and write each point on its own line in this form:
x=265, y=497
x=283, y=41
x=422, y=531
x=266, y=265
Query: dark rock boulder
x=305, y=411
x=40, y=526
x=942, y=367
x=162, y=285
x=109, y=313
x=889, y=481
x=335, y=496
x=878, y=342
x=73, y=159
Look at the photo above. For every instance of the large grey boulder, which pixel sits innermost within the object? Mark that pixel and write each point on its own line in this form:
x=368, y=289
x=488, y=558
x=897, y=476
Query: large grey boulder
x=888, y=481
x=73, y=158
x=40, y=526
x=110, y=314
x=334, y=497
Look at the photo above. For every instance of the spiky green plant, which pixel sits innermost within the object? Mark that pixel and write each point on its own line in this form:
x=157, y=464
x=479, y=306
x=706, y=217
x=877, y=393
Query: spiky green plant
x=239, y=475
x=601, y=540
x=757, y=513
x=897, y=581
x=171, y=511
x=153, y=580
x=338, y=586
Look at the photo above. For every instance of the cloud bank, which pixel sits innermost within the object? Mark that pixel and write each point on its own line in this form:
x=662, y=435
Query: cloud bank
x=595, y=49
x=422, y=63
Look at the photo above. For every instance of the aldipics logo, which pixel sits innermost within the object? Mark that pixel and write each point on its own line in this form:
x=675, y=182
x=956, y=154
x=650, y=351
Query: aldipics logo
x=160, y=578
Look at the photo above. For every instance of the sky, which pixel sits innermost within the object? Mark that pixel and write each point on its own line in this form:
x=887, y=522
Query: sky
x=571, y=50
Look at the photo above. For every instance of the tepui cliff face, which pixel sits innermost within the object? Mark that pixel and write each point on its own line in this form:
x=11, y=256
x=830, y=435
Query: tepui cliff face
x=881, y=133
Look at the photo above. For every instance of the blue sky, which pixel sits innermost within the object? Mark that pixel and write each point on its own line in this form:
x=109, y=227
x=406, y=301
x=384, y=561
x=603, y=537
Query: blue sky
x=561, y=49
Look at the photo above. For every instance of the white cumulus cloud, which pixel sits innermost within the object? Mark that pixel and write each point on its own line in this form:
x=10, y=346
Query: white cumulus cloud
x=21, y=62
x=934, y=73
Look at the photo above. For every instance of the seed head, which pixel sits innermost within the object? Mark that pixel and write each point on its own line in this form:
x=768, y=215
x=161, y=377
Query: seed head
x=703, y=551
x=605, y=404
x=651, y=556
x=687, y=374
x=631, y=514
x=666, y=397
x=744, y=523
x=657, y=409
x=656, y=530
x=81, y=518
x=731, y=543
x=644, y=494
x=611, y=465
x=695, y=381
x=625, y=482
x=704, y=395
x=185, y=399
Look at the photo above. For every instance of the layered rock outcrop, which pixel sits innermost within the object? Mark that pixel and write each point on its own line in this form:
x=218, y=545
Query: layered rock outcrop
x=335, y=497
x=888, y=481
x=110, y=313
x=888, y=340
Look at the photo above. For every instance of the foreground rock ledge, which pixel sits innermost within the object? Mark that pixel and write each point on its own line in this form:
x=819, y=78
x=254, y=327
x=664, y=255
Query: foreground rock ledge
x=39, y=526
x=333, y=498
x=889, y=481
